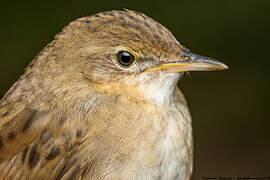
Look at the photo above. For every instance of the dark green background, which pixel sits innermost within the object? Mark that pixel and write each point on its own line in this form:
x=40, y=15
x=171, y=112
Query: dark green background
x=229, y=108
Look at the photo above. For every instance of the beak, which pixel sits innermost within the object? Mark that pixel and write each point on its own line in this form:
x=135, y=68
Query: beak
x=191, y=62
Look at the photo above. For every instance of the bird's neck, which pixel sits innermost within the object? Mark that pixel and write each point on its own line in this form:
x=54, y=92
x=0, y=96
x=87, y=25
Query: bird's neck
x=161, y=91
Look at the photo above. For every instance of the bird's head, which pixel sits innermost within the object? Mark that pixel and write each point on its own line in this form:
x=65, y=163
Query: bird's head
x=118, y=51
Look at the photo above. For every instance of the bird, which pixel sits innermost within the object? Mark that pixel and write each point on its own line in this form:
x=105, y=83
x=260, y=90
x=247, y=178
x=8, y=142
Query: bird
x=101, y=102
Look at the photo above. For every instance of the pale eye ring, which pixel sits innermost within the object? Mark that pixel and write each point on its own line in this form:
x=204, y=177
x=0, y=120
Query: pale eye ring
x=125, y=58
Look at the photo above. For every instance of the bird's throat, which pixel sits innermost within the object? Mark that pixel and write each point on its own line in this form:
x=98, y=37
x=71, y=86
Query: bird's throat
x=161, y=90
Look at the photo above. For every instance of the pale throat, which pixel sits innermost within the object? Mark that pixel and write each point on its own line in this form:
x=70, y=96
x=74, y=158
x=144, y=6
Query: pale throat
x=159, y=89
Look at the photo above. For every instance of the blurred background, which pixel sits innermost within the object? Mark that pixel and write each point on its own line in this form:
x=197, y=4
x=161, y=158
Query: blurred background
x=229, y=108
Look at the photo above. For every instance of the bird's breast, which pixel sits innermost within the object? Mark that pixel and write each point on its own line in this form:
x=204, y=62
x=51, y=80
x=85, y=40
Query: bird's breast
x=176, y=146
x=154, y=143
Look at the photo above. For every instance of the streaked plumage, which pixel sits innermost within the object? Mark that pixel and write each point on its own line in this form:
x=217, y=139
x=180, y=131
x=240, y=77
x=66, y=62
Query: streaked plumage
x=76, y=114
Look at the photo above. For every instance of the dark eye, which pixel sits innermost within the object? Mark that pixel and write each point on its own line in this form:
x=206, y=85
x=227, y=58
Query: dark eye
x=125, y=58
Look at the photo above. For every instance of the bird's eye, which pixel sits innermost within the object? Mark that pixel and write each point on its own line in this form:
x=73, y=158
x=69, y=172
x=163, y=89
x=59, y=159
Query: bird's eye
x=125, y=58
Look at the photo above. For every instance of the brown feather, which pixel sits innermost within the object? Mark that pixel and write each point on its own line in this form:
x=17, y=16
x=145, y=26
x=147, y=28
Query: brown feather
x=76, y=114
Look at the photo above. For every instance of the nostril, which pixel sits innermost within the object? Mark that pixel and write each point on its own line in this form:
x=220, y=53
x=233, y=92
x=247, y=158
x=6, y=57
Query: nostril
x=185, y=58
